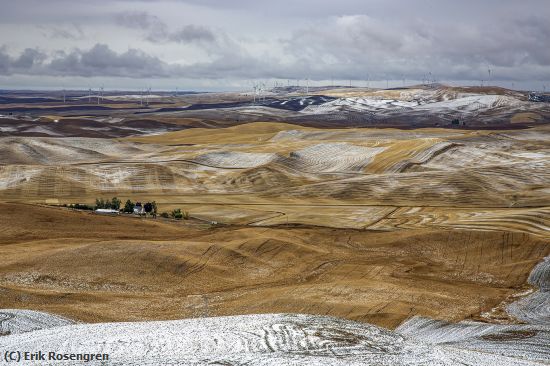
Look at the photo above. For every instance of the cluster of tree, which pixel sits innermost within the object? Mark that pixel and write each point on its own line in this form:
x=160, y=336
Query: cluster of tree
x=113, y=204
x=148, y=208
x=458, y=122
x=176, y=214
x=128, y=207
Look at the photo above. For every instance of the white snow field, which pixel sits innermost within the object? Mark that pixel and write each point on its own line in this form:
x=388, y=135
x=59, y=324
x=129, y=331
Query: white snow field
x=535, y=308
x=528, y=342
x=14, y=321
x=269, y=339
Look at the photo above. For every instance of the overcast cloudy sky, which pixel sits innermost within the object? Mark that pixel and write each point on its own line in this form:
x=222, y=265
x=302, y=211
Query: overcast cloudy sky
x=222, y=44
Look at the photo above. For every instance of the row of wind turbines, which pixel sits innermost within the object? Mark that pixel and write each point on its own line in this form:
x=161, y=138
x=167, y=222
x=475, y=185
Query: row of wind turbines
x=260, y=89
x=97, y=96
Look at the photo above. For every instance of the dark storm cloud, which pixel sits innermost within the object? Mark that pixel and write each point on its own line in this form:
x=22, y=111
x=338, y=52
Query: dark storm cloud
x=28, y=60
x=100, y=60
x=5, y=61
x=157, y=31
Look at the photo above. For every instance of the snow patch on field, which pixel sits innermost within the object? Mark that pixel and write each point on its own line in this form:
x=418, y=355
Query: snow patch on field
x=333, y=157
x=12, y=176
x=234, y=160
x=528, y=342
x=531, y=155
x=44, y=130
x=23, y=321
x=359, y=104
x=474, y=103
x=535, y=308
x=129, y=96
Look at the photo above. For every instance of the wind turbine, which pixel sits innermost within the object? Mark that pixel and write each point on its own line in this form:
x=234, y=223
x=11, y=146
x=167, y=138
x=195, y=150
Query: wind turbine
x=254, y=93
x=147, y=96
x=89, y=95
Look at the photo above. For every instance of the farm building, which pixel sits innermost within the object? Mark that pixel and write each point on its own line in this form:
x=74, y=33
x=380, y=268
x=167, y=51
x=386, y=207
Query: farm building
x=138, y=208
x=106, y=211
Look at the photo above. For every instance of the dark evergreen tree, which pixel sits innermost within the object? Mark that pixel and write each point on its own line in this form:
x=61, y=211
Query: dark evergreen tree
x=129, y=206
x=115, y=203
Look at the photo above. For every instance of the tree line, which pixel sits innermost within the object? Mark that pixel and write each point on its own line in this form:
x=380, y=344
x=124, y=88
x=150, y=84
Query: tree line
x=149, y=208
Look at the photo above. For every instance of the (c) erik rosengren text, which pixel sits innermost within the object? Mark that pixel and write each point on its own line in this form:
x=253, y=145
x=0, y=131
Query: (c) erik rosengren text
x=19, y=356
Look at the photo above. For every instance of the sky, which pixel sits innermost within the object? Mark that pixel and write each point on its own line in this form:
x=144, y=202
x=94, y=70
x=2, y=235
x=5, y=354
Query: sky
x=230, y=45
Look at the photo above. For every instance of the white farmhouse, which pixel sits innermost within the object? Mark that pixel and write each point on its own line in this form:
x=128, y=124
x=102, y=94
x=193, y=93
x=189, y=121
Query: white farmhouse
x=139, y=209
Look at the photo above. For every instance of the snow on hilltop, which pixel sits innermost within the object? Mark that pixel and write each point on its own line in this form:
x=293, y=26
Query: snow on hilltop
x=269, y=339
x=465, y=104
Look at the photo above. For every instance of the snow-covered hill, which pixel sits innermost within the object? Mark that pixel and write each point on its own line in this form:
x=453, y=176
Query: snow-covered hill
x=268, y=339
x=462, y=104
